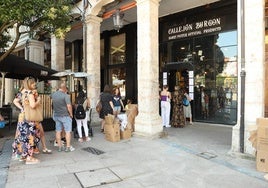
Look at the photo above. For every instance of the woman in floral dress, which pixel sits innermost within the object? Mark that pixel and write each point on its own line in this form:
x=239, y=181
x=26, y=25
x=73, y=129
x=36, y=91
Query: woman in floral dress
x=178, y=119
x=27, y=136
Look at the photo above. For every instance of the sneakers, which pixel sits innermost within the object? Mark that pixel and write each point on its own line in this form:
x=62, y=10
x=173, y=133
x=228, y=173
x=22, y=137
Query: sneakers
x=55, y=143
x=61, y=149
x=88, y=139
x=63, y=141
x=69, y=149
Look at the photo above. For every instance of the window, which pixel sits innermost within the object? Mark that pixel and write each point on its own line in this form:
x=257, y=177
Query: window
x=118, y=78
x=214, y=58
x=117, y=49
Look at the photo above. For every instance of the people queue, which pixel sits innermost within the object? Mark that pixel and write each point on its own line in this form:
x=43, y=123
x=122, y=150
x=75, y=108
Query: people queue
x=30, y=132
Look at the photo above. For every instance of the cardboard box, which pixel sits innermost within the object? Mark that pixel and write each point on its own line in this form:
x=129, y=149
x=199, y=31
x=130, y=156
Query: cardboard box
x=112, y=132
x=262, y=161
x=113, y=136
x=262, y=144
x=262, y=132
x=262, y=122
x=109, y=119
x=126, y=134
x=111, y=127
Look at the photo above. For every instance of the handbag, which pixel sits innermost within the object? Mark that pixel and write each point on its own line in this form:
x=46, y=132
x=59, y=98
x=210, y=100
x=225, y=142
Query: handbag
x=98, y=106
x=32, y=114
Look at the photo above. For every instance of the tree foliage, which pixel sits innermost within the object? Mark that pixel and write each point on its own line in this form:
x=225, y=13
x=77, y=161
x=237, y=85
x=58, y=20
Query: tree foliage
x=33, y=17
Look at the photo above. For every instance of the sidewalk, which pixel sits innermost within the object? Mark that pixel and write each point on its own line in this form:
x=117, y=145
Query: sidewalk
x=194, y=156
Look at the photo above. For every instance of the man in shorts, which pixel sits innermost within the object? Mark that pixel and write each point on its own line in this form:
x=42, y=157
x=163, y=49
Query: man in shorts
x=62, y=115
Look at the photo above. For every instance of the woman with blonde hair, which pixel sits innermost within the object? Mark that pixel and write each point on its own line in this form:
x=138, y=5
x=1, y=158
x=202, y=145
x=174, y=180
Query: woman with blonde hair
x=27, y=136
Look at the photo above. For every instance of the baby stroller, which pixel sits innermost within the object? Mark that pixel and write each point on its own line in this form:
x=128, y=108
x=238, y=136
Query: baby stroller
x=90, y=129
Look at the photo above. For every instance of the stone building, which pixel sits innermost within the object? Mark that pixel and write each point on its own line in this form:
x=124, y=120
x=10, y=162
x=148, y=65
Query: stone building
x=215, y=44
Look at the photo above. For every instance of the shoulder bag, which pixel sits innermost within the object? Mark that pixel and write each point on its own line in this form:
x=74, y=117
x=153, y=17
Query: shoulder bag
x=99, y=106
x=32, y=114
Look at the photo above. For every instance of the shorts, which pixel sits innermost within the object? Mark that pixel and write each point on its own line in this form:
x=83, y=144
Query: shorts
x=117, y=108
x=63, y=122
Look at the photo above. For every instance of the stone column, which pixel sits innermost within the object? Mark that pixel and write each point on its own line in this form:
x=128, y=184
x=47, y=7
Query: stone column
x=57, y=57
x=93, y=60
x=148, y=121
x=35, y=53
x=254, y=67
x=9, y=91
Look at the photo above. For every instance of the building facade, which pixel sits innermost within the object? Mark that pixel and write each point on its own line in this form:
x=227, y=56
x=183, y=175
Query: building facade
x=218, y=45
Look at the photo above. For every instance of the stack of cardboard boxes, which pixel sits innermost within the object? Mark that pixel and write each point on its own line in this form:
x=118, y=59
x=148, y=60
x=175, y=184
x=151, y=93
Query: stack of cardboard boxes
x=262, y=144
x=112, y=128
x=113, y=131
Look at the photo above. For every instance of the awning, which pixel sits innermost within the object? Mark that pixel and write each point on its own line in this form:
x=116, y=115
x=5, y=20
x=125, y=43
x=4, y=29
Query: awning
x=179, y=66
x=18, y=68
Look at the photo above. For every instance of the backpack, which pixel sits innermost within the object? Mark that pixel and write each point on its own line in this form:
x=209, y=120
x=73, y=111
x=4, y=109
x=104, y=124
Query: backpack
x=185, y=101
x=80, y=112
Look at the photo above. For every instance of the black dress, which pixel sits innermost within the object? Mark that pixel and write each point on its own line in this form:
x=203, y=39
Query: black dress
x=106, y=109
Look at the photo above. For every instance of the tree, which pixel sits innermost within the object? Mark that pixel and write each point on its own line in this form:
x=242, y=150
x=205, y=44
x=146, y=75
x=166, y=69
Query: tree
x=33, y=17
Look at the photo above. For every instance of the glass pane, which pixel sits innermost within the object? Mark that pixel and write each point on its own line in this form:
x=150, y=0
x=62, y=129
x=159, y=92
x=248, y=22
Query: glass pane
x=118, y=77
x=227, y=39
x=117, y=49
x=102, y=53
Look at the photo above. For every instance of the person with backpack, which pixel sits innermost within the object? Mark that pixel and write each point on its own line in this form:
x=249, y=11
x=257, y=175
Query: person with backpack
x=187, y=107
x=80, y=115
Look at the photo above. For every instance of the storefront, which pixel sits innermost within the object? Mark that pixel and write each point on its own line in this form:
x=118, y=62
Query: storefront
x=198, y=49
x=119, y=61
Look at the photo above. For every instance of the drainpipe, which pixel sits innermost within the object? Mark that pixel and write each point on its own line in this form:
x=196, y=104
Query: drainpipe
x=84, y=67
x=243, y=77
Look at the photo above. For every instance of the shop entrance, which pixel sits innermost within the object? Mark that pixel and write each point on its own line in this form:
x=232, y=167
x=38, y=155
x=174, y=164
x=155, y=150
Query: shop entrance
x=180, y=74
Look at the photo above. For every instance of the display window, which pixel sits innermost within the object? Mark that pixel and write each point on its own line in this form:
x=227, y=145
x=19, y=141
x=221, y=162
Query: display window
x=214, y=61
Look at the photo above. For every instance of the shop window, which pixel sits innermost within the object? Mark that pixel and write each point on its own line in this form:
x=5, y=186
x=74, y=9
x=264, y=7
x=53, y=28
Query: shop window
x=117, y=49
x=118, y=78
x=214, y=58
x=216, y=72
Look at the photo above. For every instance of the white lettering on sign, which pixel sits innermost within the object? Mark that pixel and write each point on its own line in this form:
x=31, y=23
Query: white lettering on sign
x=195, y=29
x=208, y=23
x=180, y=29
x=210, y=30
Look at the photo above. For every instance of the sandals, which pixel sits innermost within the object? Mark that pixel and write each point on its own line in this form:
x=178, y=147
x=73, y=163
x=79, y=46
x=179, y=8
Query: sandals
x=36, y=151
x=47, y=151
x=31, y=160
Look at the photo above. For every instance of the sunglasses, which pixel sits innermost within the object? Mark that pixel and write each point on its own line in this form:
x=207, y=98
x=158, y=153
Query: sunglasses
x=30, y=78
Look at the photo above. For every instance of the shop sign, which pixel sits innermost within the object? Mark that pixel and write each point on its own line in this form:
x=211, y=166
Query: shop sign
x=202, y=27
